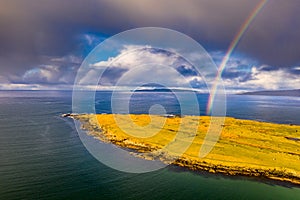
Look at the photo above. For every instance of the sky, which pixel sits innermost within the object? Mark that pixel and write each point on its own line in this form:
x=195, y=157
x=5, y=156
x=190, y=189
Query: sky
x=43, y=42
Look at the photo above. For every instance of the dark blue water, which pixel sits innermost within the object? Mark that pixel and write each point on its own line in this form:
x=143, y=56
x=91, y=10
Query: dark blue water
x=42, y=157
x=277, y=109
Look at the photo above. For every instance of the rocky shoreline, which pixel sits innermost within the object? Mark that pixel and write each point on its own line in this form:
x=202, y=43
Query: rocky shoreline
x=275, y=174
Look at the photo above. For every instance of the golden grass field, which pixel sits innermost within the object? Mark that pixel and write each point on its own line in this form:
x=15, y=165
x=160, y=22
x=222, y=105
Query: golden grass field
x=245, y=147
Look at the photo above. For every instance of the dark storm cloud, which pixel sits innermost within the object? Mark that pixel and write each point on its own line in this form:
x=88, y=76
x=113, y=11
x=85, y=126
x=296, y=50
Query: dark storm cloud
x=295, y=70
x=32, y=32
x=32, y=29
x=267, y=68
x=240, y=72
x=186, y=70
x=111, y=75
x=273, y=37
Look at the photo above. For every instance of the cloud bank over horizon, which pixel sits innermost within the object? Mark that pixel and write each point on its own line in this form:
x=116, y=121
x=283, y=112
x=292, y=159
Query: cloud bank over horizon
x=42, y=46
x=241, y=74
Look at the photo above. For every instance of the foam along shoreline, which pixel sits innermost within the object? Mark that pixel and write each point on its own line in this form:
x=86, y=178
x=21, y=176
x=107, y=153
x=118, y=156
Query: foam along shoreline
x=245, y=147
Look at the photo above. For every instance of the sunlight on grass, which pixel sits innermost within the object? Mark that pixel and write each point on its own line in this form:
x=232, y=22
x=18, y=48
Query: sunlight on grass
x=245, y=147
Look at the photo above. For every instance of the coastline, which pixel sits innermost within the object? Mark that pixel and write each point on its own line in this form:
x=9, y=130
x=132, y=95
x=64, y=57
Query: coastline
x=282, y=142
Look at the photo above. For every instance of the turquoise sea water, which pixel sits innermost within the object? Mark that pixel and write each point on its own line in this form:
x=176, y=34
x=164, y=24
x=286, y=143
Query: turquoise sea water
x=42, y=157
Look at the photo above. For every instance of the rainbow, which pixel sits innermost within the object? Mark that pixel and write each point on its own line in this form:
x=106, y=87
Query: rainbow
x=232, y=46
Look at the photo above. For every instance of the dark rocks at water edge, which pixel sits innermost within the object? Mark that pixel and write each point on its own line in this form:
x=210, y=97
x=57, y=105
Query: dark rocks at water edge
x=70, y=115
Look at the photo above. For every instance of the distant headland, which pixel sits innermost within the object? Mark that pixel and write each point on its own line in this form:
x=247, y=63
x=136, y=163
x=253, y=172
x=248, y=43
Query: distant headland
x=164, y=90
x=294, y=93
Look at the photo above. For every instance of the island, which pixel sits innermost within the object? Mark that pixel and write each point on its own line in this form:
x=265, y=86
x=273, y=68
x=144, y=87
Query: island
x=166, y=90
x=245, y=147
x=291, y=93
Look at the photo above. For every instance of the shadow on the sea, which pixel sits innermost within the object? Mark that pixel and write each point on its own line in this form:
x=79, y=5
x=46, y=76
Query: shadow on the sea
x=219, y=176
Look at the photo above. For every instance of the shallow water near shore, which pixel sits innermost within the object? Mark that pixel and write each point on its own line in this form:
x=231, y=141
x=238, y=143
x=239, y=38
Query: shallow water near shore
x=42, y=156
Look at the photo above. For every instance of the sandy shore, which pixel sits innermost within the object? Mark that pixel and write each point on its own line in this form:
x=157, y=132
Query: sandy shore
x=245, y=147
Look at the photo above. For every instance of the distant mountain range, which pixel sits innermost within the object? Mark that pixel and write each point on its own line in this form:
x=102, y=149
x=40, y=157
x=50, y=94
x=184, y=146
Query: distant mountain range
x=294, y=93
x=163, y=90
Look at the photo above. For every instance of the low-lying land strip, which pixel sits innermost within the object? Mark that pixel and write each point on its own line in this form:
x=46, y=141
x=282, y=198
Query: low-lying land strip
x=245, y=147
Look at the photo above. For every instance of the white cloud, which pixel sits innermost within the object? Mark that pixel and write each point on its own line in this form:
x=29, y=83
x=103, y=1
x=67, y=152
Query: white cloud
x=70, y=59
x=140, y=65
x=44, y=74
x=296, y=68
x=265, y=80
x=92, y=39
x=132, y=56
x=49, y=74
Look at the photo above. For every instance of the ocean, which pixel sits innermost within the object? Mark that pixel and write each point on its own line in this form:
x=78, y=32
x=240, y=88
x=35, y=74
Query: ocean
x=42, y=157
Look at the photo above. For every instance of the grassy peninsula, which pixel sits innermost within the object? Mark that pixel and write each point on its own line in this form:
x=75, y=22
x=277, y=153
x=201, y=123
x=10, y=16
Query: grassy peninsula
x=245, y=147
